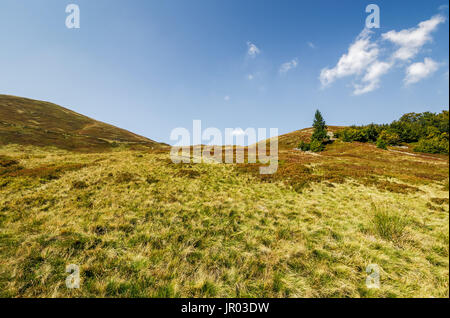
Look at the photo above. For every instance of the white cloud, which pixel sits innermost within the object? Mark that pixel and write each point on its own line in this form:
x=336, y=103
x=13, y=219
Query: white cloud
x=418, y=71
x=443, y=7
x=311, y=45
x=250, y=77
x=371, y=79
x=285, y=67
x=226, y=98
x=410, y=41
x=362, y=61
x=360, y=55
x=253, y=50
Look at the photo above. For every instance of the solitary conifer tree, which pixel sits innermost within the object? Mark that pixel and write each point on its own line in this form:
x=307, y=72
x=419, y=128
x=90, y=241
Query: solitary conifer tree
x=320, y=129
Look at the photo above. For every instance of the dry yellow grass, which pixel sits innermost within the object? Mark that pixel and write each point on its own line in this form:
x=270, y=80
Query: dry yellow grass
x=141, y=226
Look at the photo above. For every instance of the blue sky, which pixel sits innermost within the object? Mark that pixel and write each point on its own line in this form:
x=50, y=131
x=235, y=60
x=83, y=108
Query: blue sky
x=151, y=66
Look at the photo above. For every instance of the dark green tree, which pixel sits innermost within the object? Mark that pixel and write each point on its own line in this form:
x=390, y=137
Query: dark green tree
x=320, y=128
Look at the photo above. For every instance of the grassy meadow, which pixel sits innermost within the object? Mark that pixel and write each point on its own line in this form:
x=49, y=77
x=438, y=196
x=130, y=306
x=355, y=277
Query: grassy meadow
x=139, y=225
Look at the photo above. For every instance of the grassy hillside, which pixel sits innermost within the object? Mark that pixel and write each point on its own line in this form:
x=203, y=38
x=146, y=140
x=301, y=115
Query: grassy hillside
x=31, y=122
x=291, y=140
x=140, y=226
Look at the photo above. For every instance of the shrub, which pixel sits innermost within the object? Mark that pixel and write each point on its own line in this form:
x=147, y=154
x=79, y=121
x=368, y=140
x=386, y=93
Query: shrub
x=381, y=144
x=433, y=145
x=354, y=134
x=304, y=146
x=316, y=146
x=425, y=128
x=361, y=134
x=389, y=137
x=372, y=132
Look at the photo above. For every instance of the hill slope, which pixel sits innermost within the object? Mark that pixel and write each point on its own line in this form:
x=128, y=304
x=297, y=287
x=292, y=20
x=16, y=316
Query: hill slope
x=139, y=225
x=31, y=122
x=292, y=139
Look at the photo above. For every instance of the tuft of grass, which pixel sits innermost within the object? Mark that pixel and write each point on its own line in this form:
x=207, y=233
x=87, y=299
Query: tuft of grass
x=440, y=201
x=192, y=174
x=79, y=185
x=151, y=180
x=7, y=162
x=390, y=226
x=208, y=289
x=125, y=177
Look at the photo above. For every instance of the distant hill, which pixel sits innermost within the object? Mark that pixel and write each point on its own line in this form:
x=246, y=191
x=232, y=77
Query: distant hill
x=32, y=122
x=292, y=139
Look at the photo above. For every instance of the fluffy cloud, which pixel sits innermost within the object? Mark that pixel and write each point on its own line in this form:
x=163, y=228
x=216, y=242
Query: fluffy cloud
x=360, y=55
x=371, y=79
x=410, y=41
x=311, y=45
x=226, y=98
x=285, y=67
x=362, y=61
x=253, y=50
x=418, y=71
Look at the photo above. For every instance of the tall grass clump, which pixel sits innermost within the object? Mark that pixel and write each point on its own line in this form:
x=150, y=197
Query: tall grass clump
x=389, y=226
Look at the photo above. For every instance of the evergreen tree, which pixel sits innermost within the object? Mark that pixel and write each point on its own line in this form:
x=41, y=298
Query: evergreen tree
x=318, y=137
x=320, y=129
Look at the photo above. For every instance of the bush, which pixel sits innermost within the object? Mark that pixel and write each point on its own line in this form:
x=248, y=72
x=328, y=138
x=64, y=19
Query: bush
x=361, y=134
x=438, y=144
x=372, y=132
x=316, y=146
x=304, y=146
x=389, y=137
x=353, y=134
x=426, y=128
x=381, y=144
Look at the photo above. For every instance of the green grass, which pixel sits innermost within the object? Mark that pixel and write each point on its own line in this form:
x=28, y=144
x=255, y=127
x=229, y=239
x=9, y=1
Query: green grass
x=390, y=226
x=77, y=191
x=140, y=226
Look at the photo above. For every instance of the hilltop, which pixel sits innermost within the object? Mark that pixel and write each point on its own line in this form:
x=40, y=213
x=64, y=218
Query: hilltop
x=292, y=139
x=31, y=122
